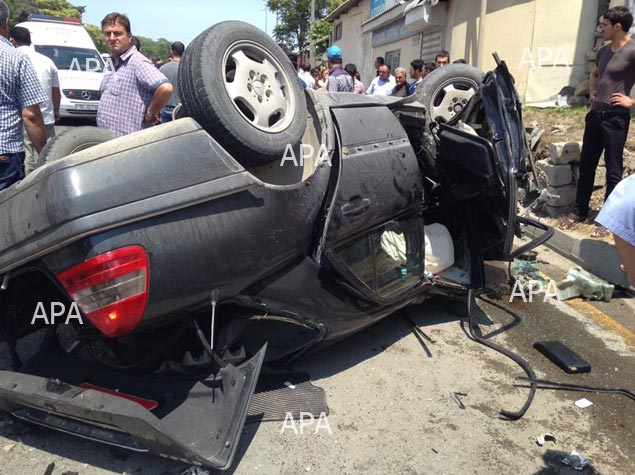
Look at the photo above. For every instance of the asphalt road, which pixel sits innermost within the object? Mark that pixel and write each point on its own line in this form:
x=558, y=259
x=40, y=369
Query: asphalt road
x=391, y=411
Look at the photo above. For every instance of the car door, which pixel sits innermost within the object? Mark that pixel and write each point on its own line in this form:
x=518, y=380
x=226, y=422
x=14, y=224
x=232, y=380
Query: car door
x=483, y=169
x=373, y=236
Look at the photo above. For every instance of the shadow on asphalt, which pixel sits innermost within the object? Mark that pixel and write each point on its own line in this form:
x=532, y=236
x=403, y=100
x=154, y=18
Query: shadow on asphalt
x=370, y=342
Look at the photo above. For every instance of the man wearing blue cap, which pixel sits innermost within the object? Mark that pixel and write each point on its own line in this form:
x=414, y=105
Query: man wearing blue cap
x=339, y=79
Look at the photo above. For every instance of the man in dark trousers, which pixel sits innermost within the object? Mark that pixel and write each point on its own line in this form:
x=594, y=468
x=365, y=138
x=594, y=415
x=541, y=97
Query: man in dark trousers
x=607, y=122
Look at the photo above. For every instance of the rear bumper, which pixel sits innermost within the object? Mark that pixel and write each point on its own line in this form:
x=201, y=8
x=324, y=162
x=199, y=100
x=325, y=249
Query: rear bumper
x=197, y=421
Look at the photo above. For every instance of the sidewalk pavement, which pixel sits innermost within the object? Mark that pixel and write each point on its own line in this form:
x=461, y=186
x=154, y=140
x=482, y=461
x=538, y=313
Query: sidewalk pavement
x=593, y=255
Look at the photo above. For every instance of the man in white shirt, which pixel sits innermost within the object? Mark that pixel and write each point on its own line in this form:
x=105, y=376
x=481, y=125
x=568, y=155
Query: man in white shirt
x=305, y=74
x=47, y=74
x=384, y=83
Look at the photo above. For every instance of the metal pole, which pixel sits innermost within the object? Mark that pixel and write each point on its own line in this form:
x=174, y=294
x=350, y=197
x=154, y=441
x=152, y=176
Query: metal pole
x=481, y=34
x=311, y=58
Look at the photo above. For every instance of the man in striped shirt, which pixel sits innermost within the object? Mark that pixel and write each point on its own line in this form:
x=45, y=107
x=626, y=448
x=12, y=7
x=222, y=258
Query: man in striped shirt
x=133, y=95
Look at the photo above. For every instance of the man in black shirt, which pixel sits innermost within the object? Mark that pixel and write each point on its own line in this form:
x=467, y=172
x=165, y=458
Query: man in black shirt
x=607, y=122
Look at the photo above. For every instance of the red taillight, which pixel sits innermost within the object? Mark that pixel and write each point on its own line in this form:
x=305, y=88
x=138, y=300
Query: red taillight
x=110, y=289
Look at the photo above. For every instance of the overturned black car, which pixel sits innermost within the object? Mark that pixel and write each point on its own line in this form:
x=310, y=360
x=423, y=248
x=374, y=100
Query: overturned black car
x=218, y=237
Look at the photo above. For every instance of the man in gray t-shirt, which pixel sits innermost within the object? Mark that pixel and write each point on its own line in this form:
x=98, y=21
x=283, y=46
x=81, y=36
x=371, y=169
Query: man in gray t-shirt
x=171, y=71
x=607, y=122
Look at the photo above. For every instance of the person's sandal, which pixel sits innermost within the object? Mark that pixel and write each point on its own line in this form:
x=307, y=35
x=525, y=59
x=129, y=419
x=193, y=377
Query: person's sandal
x=600, y=232
x=570, y=222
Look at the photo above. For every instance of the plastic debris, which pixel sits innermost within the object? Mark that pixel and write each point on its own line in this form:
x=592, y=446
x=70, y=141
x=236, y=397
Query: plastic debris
x=457, y=399
x=583, y=403
x=575, y=461
x=544, y=438
x=289, y=385
x=580, y=283
x=526, y=274
x=7, y=448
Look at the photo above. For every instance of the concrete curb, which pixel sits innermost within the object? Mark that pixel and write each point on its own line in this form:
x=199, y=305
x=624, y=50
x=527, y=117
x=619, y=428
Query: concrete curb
x=593, y=255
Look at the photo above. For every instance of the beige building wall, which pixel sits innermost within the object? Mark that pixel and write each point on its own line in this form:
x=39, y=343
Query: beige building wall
x=410, y=48
x=355, y=45
x=567, y=44
x=543, y=42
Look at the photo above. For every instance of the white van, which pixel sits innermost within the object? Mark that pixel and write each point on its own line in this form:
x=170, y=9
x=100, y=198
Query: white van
x=79, y=64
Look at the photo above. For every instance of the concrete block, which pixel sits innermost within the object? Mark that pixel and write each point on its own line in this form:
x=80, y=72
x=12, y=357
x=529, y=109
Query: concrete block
x=575, y=171
x=563, y=153
x=562, y=195
x=556, y=175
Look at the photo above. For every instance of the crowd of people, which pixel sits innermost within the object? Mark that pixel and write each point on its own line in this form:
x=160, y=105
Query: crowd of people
x=335, y=78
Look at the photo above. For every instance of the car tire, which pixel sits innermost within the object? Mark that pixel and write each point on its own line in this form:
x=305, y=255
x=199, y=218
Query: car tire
x=241, y=87
x=446, y=91
x=72, y=141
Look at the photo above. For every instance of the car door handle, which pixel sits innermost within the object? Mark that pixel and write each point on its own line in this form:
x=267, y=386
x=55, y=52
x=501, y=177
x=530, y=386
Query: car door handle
x=356, y=207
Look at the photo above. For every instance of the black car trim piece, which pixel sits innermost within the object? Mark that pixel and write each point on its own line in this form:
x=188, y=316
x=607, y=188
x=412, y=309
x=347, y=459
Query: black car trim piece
x=331, y=198
x=537, y=241
x=85, y=226
x=474, y=331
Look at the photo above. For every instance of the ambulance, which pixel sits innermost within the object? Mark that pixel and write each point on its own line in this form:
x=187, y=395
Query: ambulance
x=79, y=64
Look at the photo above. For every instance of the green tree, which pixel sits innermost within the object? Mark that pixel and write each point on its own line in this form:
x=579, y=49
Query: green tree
x=21, y=9
x=58, y=8
x=295, y=19
x=160, y=47
x=98, y=38
x=321, y=28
